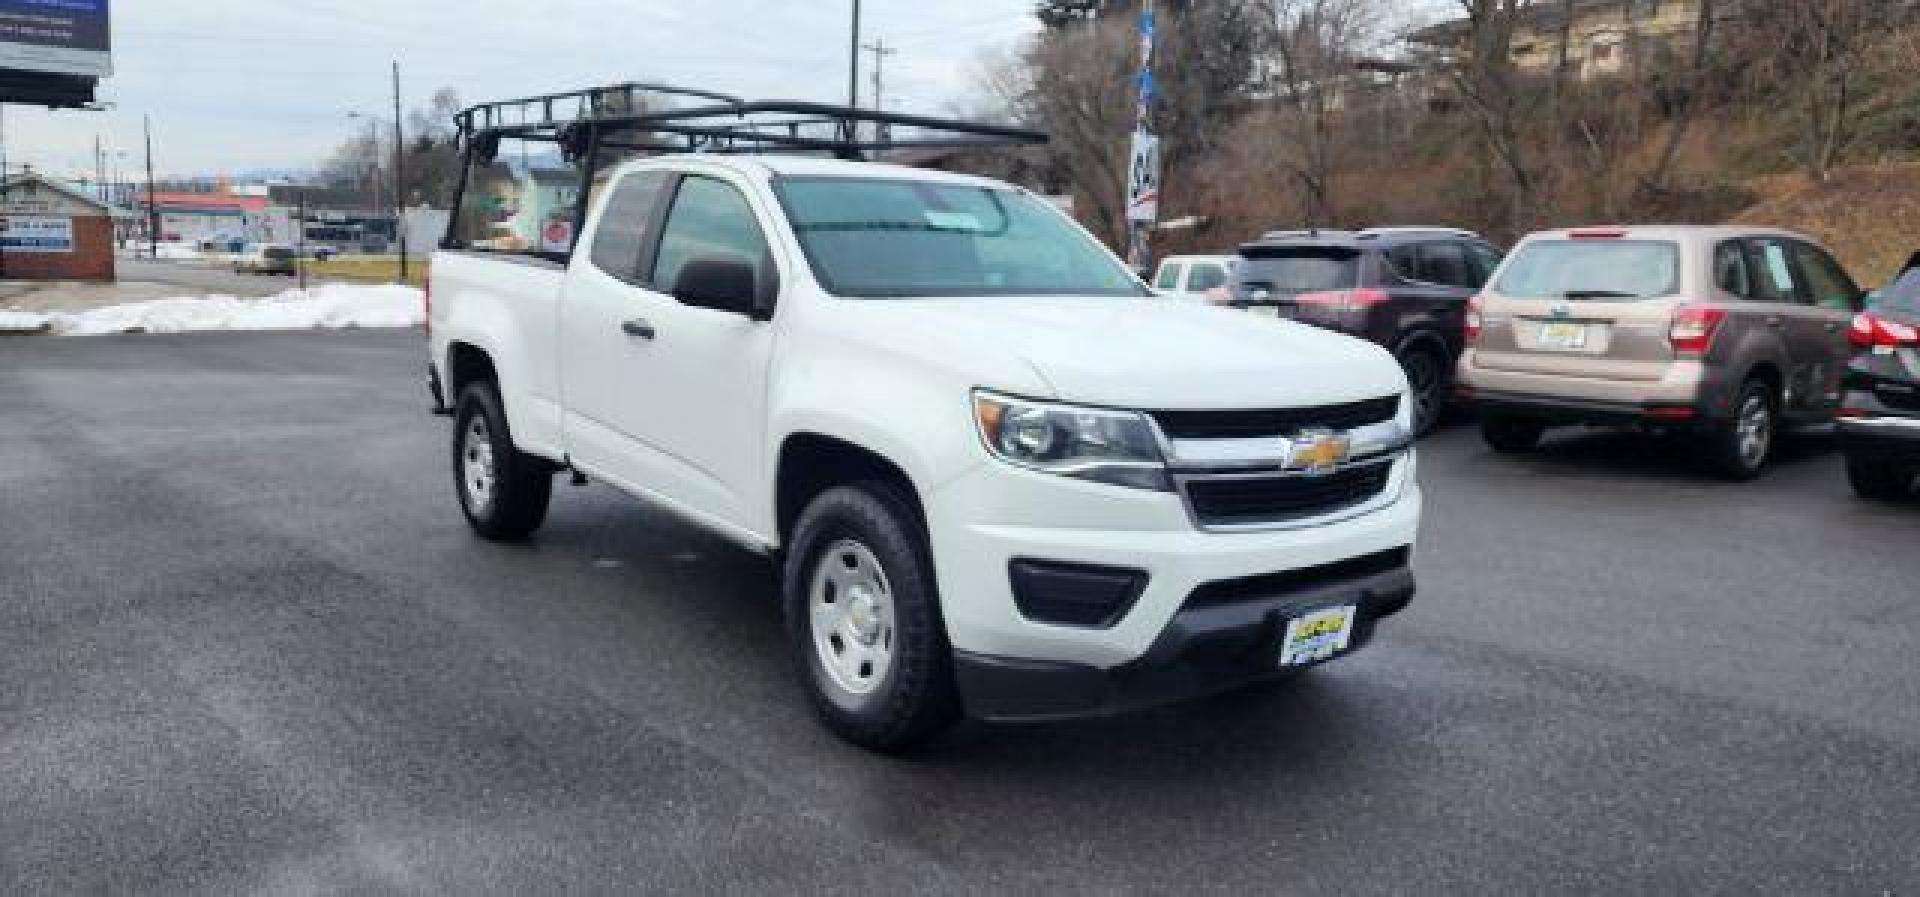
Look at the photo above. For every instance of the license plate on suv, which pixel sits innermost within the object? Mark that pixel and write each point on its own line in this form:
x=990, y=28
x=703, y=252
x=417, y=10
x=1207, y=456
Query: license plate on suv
x=1318, y=635
x=1563, y=335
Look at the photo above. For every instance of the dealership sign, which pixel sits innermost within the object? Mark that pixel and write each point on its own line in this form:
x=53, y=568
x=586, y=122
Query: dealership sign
x=67, y=37
x=36, y=234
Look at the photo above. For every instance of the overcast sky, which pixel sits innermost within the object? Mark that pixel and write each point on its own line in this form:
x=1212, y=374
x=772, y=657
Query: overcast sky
x=246, y=84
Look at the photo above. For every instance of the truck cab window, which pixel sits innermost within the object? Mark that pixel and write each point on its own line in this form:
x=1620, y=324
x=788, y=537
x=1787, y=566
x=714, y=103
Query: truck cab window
x=709, y=218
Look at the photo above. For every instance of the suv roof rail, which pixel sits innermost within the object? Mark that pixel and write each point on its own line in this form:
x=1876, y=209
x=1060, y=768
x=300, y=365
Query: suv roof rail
x=1377, y=232
x=1311, y=233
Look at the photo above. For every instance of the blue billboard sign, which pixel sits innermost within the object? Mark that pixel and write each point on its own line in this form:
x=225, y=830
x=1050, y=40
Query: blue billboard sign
x=67, y=37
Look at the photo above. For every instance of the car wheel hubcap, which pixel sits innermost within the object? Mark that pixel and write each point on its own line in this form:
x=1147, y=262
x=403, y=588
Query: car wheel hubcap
x=1755, y=430
x=477, y=465
x=850, y=606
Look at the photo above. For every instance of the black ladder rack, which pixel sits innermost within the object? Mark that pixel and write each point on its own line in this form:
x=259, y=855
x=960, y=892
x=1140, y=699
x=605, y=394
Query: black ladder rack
x=662, y=118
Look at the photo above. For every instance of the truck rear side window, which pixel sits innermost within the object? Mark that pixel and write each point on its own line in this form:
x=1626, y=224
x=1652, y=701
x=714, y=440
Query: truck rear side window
x=1298, y=269
x=1593, y=269
x=622, y=233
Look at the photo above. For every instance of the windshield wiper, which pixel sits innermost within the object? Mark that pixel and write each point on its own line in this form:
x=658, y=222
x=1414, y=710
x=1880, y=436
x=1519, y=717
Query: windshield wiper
x=1598, y=294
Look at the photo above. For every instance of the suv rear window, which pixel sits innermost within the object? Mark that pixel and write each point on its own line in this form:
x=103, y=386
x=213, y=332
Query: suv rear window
x=1298, y=269
x=1593, y=269
x=1904, y=294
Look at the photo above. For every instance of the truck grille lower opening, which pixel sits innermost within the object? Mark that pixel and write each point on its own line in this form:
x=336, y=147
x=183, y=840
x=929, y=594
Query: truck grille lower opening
x=1253, y=588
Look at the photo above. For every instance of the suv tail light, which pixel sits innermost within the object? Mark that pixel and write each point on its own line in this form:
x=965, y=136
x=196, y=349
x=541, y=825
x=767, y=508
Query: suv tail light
x=1473, y=321
x=1693, y=329
x=1344, y=300
x=1872, y=331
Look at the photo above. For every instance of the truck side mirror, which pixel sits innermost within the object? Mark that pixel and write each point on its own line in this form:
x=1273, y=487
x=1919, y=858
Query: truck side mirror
x=721, y=283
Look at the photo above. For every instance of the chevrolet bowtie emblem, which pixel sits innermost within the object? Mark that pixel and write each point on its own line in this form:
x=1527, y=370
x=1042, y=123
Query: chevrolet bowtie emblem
x=1319, y=452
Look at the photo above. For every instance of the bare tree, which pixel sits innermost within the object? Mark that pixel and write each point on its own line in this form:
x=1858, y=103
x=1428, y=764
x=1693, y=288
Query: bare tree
x=1502, y=99
x=1820, y=49
x=1310, y=72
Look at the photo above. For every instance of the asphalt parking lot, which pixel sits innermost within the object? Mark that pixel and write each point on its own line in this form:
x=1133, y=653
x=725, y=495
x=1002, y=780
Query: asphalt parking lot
x=247, y=644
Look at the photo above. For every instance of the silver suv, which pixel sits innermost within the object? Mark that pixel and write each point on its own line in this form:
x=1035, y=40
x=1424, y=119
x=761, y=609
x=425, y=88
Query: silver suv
x=1725, y=332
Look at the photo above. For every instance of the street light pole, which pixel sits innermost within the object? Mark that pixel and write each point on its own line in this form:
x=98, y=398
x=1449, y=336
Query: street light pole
x=153, y=207
x=399, y=176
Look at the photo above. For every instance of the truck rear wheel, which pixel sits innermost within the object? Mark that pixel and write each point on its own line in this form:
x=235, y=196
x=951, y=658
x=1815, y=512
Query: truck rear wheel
x=863, y=619
x=503, y=492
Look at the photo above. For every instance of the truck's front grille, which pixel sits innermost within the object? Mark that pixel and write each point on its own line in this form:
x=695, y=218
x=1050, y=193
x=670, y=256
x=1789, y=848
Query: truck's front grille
x=1252, y=501
x=1276, y=421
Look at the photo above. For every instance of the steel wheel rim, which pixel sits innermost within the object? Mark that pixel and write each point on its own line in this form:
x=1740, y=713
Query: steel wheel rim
x=1755, y=430
x=851, y=613
x=477, y=472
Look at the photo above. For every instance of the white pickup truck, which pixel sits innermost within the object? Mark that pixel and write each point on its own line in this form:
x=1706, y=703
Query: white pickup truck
x=999, y=477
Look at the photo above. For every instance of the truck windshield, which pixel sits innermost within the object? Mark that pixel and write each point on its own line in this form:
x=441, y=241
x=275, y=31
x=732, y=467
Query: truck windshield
x=1593, y=269
x=877, y=238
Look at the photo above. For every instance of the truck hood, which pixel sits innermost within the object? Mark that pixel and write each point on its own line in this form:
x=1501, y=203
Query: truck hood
x=1148, y=353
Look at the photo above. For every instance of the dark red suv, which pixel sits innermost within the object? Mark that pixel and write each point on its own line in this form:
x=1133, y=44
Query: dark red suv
x=1405, y=288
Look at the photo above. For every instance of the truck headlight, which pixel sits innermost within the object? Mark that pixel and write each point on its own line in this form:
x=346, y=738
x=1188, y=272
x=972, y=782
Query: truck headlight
x=1098, y=444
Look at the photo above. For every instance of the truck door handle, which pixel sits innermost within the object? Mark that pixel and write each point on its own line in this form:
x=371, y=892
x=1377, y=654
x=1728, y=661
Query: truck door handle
x=637, y=327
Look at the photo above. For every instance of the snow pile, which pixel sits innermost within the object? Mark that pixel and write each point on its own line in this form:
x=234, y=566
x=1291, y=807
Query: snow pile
x=177, y=251
x=23, y=322
x=331, y=306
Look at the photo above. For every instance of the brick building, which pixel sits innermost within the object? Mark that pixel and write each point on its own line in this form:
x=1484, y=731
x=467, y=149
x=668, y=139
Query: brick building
x=53, y=231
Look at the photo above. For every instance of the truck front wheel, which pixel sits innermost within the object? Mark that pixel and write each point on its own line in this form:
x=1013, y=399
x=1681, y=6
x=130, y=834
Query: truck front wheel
x=503, y=491
x=863, y=619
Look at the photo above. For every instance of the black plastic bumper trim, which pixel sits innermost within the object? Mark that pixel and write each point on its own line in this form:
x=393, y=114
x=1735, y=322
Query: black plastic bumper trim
x=1202, y=651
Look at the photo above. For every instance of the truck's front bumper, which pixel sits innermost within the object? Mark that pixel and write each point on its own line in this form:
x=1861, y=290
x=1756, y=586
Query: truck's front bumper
x=1163, y=643
x=1202, y=650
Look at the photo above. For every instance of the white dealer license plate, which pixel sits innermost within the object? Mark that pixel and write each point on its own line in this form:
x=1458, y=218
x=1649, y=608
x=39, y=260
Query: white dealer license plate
x=1563, y=335
x=1317, y=636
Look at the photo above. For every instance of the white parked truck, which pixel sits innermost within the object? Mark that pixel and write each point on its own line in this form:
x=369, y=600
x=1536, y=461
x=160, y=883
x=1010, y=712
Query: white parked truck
x=999, y=478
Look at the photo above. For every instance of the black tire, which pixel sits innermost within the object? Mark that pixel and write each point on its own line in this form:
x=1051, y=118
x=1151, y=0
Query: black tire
x=1738, y=449
x=1878, y=477
x=1430, y=374
x=912, y=699
x=512, y=503
x=1511, y=435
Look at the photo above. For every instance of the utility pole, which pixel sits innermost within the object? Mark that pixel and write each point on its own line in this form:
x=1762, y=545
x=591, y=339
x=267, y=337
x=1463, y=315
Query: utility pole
x=99, y=169
x=1143, y=177
x=300, y=228
x=853, y=61
x=852, y=128
x=153, y=206
x=400, y=176
x=880, y=52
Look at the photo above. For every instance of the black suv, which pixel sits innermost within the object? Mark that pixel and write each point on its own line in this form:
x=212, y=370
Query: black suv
x=1405, y=288
x=1880, y=413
